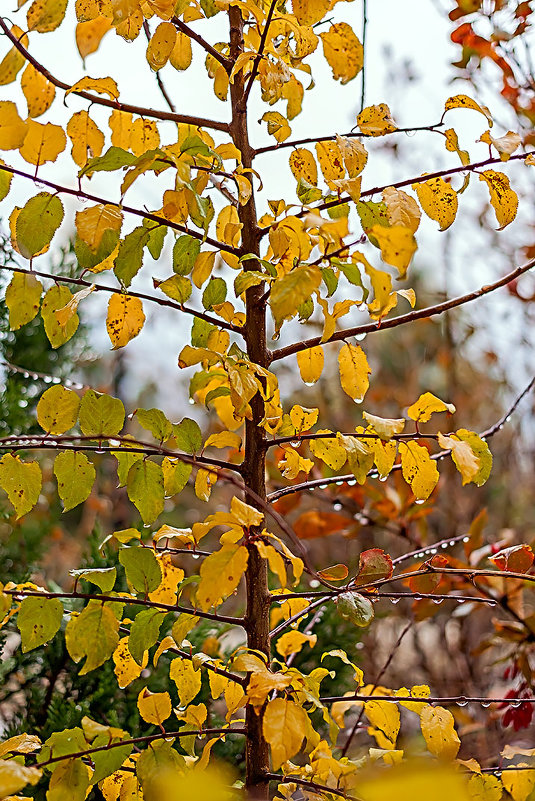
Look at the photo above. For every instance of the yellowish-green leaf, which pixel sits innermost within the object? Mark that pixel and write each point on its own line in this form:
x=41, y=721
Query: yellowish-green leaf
x=46, y=15
x=220, y=575
x=38, y=621
x=464, y=458
x=277, y=125
x=438, y=199
x=145, y=489
x=481, y=451
x=503, y=199
x=343, y=52
x=92, y=224
x=75, y=475
x=21, y=481
x=23, y=296
x=376, y=120
x=385, y=720
x=92, y=634
x=329, y=450
x=37, y=223
x=284, y=725
x=57, y=298
x=303, y=165
x=181, y=54
x=100, y=415
x=439, y=732
x=290, y=291
x=57, y=410
x=154, y=707
x=419, y=470
x=426, y=405
x=354, y=371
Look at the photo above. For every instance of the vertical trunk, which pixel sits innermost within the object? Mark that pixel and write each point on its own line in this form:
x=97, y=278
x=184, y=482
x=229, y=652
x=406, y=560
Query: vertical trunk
x=257, y=612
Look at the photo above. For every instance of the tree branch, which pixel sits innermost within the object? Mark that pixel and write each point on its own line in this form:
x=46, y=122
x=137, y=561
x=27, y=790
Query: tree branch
x=394, y=322
x=168, y=116
x=63, y=279
x=448, y=699
x=183, y=28
x=137, y=740
x=320, y=788
x=235, y=621
x=258, y=57
x=146, y=215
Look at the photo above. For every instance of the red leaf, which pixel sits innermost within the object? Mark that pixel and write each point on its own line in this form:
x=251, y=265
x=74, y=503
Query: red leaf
x=374, y=564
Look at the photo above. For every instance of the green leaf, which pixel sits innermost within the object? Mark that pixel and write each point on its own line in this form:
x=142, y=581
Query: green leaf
x=56, y=298
x=5, y=181
x=144, y=632
x=38, y=620
x=88, y=259
x=175, y=475
x=141, y=567
x=75, y=475
x=289, y=292
x=69, y=781
x=214, y=293
x=61, y=743
x=22, y=482
x=37, y=223
x=200, y=331
x=108, y=761
x=57, y=410
x=244, y=280
x=124, y=463
x=102, y=577
x=23, y=297
x=481, y=451
x=185, y=252
x=356, y=608
x=100, y=415
x=177, y=288
x=188, y=435
x=130, y=256
x=145, y=489
x=93, y=634
x=156, y=422
x=112, y=159
x=156, y=240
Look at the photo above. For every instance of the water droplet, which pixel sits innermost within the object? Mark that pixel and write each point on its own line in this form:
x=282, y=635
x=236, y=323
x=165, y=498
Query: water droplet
x=461, y=600
x=56, y=380
x=516, y=704
x=383, y=478
x=466, y=539
x=47, y=379
x=23, y=403
x=492, y=603
x=337, y=507
x=433, y=551
x=437, y=601
x=420, y=555
x=322, y=486
x=508, y=418
x=68, y=382
x=100, y=450
x=497, y=773
x=451, y=543
x=295, y=443
x=485, y=704
x=339, y=483
x=311, y=489
x=418, y=598
x=419, y=501
x=352, y=482
x=462, y=702
x=314, y=584
x=26, y=375
x=195, y=556
x=308, y=383
x=444, y=545
x=358, y=400
x=146, y=525
x=395, y=601
x=191, y=401
x=360, y=337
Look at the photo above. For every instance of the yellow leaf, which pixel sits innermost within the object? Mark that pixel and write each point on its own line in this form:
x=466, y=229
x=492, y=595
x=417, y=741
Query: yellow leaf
x=284, y=726
x=172, y=575
x=354, y=371
x=419, y=470
x=303, y=165
x=303, y=418
x=13, y=61
x=87, y=10
x=144, y=136
x=439, y=201
x=154, y=707
x=503, y=199
x=376, y=120
x=397, y=244
x=465, y=459
x=43, y=143
x=125, y=319
x=463, y=101
x=224, y=439
x=245, y=515
x=308, y=12
x=87, y=140
x=519, y=783
x=343, y=51
x=426, y=405
x=228, y=226
x=328, y=450
x=275, y=561
x=38, y=91
x=92, y=224
x=126, y=668
x=14, y=776
x=310, y=363
x=202, y=269
x=187, y=680
x=161, y=45
x=89, y=35
x=293, y=463
x=261, y=684
x=288, y=292
x=64, y=314
x=46, y=15
x=439, y=732
x=505, y=145
x=330, y=160
x=22, y=481
x=220, y=575
x=354, y=154
x=277, y=125
x=120, y=123
x=57, y=410
x=181, y=54
x=103, y=86
x=13, y=130
x=385, y=721
x=291, y=642
x=384, y=426
x=204, y=481
x=401, y=208
x=56, y=298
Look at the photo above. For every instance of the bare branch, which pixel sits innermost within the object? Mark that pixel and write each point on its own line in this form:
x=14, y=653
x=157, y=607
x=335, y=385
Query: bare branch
x=320, y=788
x=433, y=699
x=64, y=279
x=146, y=215
x=394, y=322
x=363, y=71
x=168, y=116
x=183, y=28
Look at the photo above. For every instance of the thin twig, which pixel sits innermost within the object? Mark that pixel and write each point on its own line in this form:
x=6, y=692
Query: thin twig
x=183, y=28
x=363, y=70
x=258, y=57
x=200, y=122
x=320, y=788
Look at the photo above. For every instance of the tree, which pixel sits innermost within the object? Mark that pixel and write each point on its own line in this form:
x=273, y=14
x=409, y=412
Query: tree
x=282, y=262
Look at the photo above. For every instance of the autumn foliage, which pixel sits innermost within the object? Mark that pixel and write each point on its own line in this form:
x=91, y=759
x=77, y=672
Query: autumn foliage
x=338, y=257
